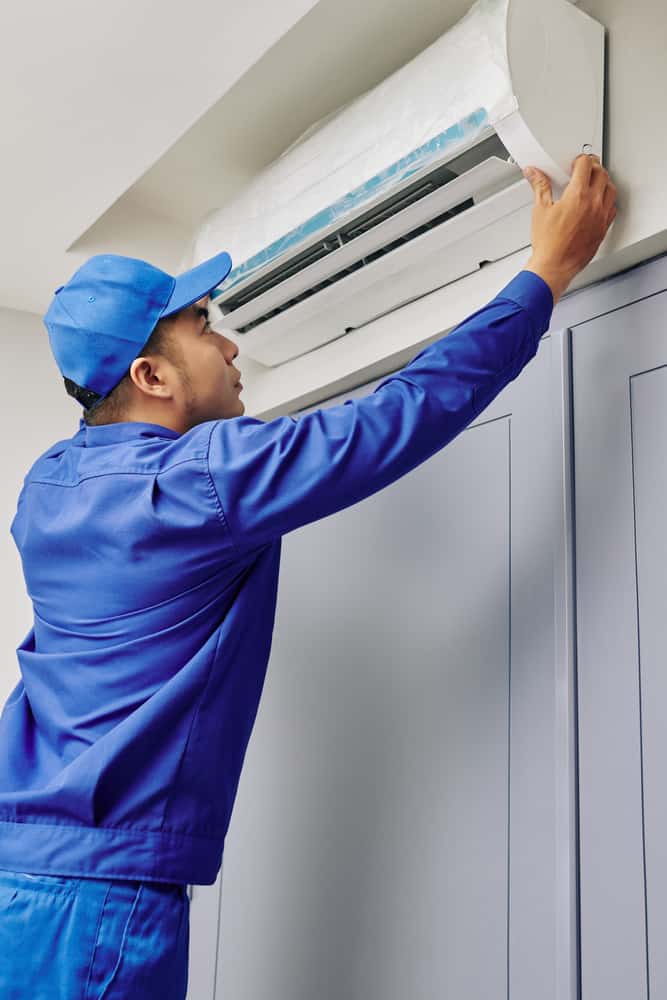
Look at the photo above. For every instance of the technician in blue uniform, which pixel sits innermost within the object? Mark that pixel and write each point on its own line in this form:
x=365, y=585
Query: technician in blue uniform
x=150, y=545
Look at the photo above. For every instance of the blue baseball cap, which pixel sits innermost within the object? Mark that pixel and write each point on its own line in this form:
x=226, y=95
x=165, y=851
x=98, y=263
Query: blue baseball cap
x=100, y=320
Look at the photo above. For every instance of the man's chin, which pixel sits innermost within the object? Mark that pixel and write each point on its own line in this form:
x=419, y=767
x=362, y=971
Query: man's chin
x=232, y=409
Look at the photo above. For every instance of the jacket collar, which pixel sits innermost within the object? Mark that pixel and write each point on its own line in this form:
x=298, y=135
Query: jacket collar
x=89, y=437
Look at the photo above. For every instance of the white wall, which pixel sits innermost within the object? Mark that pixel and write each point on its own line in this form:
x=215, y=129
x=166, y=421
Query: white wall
x=636, y=117
x=36, y=411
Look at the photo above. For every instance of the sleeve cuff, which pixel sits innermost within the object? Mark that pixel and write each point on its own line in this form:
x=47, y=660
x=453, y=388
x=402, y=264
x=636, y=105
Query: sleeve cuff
x=533, y=294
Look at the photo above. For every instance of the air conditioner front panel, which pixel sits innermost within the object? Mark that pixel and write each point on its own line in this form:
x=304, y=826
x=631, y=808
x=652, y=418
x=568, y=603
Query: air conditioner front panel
x=371, y=208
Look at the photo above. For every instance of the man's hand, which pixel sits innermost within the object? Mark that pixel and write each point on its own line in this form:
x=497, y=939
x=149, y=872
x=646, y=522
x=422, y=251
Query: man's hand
x=567, y=235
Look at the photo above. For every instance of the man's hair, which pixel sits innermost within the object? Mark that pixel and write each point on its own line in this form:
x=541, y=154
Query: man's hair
x=114, y=406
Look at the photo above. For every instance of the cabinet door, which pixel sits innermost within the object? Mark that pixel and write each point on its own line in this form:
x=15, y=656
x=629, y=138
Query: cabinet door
x=620, y=420
x=403, y=823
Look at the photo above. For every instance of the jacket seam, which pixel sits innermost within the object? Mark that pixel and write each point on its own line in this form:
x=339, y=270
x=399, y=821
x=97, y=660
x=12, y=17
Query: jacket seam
x=115, y=472
x=533, y=321
x=131, y=830
x=195, y=716
x=216, y=497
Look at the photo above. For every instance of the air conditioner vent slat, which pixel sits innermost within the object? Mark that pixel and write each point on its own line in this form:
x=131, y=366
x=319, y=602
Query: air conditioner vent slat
x=393, y=207
x=330, y=280
x=482, y=166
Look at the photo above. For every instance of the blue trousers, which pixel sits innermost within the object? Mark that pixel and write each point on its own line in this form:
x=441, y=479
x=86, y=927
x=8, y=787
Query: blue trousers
x=64, y=938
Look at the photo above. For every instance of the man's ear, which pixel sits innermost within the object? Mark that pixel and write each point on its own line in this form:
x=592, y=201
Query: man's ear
x=150, y=374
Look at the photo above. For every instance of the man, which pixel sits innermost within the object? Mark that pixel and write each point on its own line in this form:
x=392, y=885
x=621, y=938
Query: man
x=150, y=544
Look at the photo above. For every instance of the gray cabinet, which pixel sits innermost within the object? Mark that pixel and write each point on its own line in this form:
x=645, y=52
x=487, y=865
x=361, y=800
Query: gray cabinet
x=620, y=420
x=403, y=826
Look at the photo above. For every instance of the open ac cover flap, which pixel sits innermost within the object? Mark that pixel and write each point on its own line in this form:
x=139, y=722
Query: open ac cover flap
x=412, y=185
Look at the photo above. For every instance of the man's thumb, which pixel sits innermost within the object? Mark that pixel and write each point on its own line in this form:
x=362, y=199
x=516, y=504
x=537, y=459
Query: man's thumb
x=540, y=184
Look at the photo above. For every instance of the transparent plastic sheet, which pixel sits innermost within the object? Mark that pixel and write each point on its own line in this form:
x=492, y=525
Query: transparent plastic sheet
x=434, y=105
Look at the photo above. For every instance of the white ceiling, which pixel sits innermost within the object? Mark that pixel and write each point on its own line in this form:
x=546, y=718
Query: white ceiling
x=92, y=96
x=124, y=124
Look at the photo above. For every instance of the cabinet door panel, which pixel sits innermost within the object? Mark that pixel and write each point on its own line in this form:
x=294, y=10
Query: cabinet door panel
x=649, y=437
x=620, y=424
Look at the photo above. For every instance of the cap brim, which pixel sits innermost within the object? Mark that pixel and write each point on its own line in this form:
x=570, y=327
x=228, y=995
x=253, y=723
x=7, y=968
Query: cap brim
x=198, y=282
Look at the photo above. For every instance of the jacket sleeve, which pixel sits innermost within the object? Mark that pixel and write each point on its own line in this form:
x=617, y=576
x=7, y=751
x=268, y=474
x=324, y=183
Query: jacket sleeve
x=274, y=476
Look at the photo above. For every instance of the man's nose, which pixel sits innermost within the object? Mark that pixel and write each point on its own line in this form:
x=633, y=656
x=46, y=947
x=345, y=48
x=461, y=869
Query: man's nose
x=229, y=348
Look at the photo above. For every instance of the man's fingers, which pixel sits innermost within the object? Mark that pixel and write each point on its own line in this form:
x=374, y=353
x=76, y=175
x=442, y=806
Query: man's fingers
x=582, y=168
x=541, y=185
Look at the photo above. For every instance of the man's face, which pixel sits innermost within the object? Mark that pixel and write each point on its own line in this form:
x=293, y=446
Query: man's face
x=208, y=389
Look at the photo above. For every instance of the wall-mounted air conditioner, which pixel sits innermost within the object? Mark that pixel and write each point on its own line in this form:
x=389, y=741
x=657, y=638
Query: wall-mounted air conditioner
x=412, y=185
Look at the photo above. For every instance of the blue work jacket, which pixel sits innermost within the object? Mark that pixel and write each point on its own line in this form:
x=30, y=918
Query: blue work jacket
x=151, y=559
